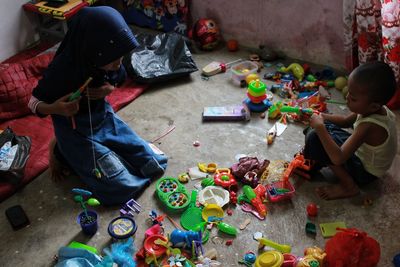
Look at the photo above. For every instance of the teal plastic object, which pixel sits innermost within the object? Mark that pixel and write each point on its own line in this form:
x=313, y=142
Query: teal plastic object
x=172, y=194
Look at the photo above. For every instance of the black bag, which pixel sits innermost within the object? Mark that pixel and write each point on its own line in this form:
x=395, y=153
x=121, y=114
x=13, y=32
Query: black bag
x=159, y=58
x=14, y=153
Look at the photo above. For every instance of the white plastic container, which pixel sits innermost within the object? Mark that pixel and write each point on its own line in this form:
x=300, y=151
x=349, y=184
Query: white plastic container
x=241, y=70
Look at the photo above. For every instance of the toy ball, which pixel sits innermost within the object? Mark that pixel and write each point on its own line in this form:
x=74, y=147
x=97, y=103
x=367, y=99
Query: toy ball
x=232, y=45
x=252, y=77
x=340, y=82
x=312, y=210
x=206, y=34
x=345, y=91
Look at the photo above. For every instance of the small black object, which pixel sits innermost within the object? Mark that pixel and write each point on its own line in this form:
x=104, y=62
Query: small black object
x=17, y=217
x=56, y=3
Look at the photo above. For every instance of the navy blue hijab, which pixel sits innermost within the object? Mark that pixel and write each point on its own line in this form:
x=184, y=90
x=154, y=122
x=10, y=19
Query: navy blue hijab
x=96, y=37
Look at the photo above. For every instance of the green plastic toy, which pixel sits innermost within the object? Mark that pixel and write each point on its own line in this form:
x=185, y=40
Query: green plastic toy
x=173, y=194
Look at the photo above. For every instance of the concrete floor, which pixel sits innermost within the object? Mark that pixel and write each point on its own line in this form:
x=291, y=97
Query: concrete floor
x=52, y=211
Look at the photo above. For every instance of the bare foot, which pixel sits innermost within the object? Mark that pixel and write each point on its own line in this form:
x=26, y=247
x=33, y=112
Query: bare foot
x=336, y=192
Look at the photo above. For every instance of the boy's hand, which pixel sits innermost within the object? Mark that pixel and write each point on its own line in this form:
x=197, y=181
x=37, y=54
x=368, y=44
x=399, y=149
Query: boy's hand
x=99, y=92
x=64, y=107
x=316, y=121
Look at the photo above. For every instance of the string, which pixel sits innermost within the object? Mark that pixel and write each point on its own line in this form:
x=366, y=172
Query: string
x=91, y=133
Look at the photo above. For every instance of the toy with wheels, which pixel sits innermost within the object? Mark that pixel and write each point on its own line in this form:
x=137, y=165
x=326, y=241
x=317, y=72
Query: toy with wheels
x=173, y=194
x=225, y=179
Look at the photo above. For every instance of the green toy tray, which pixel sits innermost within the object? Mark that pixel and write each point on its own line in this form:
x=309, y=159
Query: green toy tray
x=172, y=194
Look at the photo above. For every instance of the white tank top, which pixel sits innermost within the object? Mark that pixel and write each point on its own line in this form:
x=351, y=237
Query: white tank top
x=378, y=159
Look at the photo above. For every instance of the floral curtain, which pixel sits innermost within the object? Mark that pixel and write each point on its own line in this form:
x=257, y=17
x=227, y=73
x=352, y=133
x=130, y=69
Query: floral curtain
x=372, y=32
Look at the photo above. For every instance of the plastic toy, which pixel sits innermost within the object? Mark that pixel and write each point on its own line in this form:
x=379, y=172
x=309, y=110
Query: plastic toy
x=307, y=261
x=191, y=218
x=340, y=82
x=153, y=249
x=246, y=207
x=250, y=178
x=296, y=69
x=311, y=229
x=280, y=247
x=298, y=164
x=248, y=259
x=217, y=67
x=252, y=77
x=317, y=253
x=172, y=193
x=122, y=228
x=312, y=210
x=277, y=108
x=280, y=190
x=78, y=92
x=256, y=99
x=232, y=45
x=289, y=260
x=269, y=259
x=79, y=245
x=227, y=228
x=130, y=208
x=256, y=197
x=214, y=195
x=212, y=210
x=170, y=250
x=184, y=239
x=207, y=182
x=330, y=229
x=209, y=168
x=183, y=177
x=240, y=71
x=206, y=33
x=225, y=179
x=283, y=189
x=87, y=219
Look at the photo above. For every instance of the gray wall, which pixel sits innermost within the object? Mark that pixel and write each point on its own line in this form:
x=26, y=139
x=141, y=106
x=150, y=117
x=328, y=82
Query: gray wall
x=16, y=28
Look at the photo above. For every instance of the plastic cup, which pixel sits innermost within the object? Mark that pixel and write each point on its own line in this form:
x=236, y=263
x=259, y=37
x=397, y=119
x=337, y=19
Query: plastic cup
x=88, y=228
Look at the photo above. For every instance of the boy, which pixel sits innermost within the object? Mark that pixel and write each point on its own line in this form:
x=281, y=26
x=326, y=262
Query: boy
x=367, y=153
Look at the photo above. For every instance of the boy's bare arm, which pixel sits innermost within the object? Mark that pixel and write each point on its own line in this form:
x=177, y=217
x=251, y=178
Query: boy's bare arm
x=338, y=155
x=343, y=121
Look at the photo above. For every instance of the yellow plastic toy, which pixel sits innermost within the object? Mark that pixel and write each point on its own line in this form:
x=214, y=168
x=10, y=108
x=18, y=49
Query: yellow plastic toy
x=281, y=247
x=340, y=83
x=296, y=69
x=212, y=210
x=312, y=254
x=252, y=77
x=270, y=259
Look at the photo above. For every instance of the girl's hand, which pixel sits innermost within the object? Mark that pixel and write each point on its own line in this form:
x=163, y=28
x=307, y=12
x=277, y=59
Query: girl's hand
x=64, y=107
x=317, y=121
x=99, y=92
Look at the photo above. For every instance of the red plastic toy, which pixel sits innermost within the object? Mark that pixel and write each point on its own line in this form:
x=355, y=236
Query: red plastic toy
x=312, y=210
x=225, y=179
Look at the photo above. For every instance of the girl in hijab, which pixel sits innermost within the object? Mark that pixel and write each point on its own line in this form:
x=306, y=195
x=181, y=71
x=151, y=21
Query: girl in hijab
x=114, y=162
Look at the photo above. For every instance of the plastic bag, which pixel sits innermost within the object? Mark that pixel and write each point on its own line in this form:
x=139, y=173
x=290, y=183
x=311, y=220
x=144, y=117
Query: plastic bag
x=159, y=58
x=352, y=248
x=14, y=153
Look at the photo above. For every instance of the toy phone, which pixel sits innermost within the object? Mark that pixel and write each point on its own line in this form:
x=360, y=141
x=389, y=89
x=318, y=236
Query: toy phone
x=17, y=217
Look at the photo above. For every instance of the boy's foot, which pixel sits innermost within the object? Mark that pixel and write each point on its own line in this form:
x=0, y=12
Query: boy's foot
x=336, y=192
